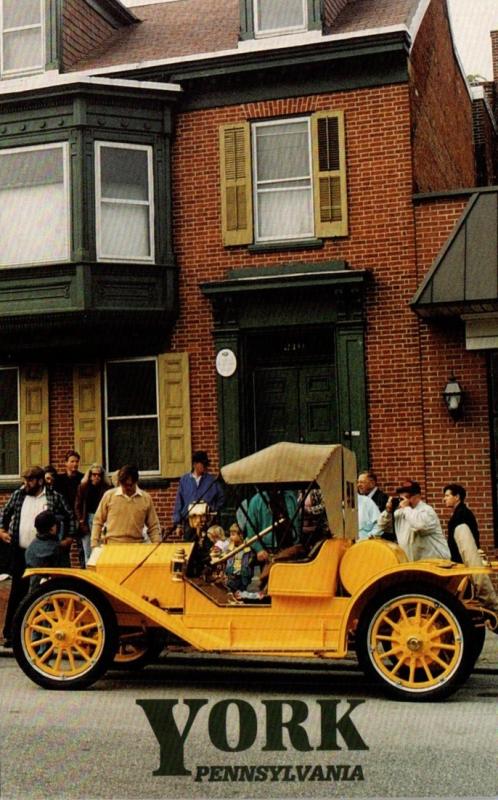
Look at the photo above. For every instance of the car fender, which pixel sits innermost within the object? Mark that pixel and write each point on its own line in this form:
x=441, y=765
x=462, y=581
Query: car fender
x=115, y=592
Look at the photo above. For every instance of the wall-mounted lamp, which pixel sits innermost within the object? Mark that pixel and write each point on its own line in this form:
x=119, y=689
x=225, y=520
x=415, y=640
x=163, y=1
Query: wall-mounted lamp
x=453, y=397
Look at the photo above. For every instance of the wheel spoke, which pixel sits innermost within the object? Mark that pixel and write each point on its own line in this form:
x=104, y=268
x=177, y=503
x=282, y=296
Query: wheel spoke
x=38, y=642
x=440, y=631
x=45, y=656
x=444, y=646
x=439, y=661
x=426, y=669
x=69, y=609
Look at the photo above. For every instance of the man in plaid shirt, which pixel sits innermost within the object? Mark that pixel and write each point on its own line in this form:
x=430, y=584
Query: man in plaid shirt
x=17, y=530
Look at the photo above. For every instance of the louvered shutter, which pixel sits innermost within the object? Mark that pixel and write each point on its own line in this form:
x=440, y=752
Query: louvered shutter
x=87, y=412
x=236, y=184
x=34, y=431
x=174, y=414
x=329, y=174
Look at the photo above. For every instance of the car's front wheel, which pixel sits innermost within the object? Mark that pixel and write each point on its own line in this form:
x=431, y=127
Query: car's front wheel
x=65, y=635
x=417, y=642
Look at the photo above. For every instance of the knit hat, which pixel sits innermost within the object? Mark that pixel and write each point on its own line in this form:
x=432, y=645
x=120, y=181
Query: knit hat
x=44, y=521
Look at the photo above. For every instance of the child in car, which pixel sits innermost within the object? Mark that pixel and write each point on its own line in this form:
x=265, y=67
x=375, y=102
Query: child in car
x=239, y=569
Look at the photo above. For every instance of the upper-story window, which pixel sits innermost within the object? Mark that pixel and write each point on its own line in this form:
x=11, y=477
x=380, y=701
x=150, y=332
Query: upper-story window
x=34, y=205
x=9, y=421
x=273, y=17
x=284, y=180
x=283, y=191
x=22, y=45
x=124, y=202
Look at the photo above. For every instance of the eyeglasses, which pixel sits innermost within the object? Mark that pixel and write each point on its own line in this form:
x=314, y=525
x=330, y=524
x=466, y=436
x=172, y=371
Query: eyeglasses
x=98, y=474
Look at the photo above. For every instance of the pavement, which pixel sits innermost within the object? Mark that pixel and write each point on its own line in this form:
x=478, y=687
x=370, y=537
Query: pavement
x=488, y=660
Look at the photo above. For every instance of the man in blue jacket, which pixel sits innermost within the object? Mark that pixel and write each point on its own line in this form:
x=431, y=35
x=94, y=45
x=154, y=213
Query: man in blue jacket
x=197, y=486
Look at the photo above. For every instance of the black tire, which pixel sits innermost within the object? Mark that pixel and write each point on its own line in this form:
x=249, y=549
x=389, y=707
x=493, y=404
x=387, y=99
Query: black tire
x=138, y=647
x=417, y=642
x=477, y=643
x=80, y=639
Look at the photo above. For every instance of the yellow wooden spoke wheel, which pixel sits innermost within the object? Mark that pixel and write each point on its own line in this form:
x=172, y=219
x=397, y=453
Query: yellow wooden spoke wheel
x=418, y=643
x=64, y=635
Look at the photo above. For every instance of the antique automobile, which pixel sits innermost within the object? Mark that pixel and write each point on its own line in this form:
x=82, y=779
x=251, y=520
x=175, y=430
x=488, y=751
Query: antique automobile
x=416, y=627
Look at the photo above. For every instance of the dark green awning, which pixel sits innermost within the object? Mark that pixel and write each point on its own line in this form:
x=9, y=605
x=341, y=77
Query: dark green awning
x=464, y=276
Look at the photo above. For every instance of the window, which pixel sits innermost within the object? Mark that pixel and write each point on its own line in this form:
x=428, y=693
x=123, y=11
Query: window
x=125, y=203
x=279, y=16
x=34, y=179
x=131, y=399
x=284, y=180
x=283, y=197
x=22, y=36
x=9, y=422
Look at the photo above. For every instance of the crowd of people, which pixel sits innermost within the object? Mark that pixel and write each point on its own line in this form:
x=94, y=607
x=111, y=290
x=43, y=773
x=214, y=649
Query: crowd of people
x=54, y=514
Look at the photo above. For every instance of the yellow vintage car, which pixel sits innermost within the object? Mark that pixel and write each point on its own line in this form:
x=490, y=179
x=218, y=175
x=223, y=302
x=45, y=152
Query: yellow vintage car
x=415, y=626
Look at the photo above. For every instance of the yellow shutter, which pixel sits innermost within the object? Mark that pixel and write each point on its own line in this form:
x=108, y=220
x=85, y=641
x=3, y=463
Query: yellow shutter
x=329, y=173
x=236, y=184
x=174, y=414
x=34, y=430
x=87, y=411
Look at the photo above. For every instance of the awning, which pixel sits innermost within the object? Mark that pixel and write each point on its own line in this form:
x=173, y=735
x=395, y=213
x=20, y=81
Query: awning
x=464, y=276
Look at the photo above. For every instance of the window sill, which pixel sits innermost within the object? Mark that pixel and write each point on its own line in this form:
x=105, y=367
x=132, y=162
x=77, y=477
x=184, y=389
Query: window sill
x=291, y=244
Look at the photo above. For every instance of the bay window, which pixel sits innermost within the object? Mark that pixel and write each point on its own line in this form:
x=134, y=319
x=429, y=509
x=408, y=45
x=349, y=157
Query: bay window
x=124, y=202
x=34, y=205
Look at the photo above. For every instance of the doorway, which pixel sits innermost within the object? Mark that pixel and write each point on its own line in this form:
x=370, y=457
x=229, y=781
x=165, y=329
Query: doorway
x=292, y=387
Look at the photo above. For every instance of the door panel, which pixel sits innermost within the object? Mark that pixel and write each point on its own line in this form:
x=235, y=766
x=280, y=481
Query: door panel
x=276, y=405
x=317, y=404
x=294, y=404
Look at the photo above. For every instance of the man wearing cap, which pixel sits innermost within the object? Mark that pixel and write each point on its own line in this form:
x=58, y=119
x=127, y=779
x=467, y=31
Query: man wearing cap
x=17, y=529
x=416, y=524
x=197, y=486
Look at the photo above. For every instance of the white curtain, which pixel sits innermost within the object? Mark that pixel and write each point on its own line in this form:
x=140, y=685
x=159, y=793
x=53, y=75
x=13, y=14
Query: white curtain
x=125, y=223
x=280, y=14
x=22, y=44
x=283, y=181
x=33, y=207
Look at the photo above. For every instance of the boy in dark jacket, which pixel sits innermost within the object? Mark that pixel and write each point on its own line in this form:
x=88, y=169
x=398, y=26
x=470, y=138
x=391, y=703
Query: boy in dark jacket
x=46, y=550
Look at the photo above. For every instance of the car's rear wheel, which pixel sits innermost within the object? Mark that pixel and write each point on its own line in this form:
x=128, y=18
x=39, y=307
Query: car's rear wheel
x=65, y=635
x=416, y=641
x=137, y=647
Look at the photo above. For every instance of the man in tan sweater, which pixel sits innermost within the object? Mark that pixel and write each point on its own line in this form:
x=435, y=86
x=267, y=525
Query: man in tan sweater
x=124, y=512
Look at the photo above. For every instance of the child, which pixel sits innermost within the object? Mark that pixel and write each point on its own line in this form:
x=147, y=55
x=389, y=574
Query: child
x=46, y=550
x=220, y=543
x=239, y=567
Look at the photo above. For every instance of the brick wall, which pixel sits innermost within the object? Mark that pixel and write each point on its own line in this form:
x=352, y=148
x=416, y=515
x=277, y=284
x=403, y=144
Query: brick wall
x=454, y=451
x=443, y=156
x=83, y=30
x=494, y=52
x=381, y=239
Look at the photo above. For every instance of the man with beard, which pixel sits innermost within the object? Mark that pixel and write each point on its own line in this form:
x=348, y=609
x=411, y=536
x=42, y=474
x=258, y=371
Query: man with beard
x=17, y=529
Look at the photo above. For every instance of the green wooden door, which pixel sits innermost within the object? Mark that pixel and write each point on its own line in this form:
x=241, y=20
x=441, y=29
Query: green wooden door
x=294, y=404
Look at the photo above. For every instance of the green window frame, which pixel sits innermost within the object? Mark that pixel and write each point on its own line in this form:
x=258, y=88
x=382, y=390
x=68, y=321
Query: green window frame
x=250, y=25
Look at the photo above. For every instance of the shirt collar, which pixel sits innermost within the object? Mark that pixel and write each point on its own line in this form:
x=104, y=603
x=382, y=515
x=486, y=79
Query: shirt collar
x=137, y=491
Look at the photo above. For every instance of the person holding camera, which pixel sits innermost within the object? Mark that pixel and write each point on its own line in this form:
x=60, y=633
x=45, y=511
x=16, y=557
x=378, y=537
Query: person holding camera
x=415, y=523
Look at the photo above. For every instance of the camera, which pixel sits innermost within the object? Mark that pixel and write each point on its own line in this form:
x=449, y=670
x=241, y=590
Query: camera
x=395, y=501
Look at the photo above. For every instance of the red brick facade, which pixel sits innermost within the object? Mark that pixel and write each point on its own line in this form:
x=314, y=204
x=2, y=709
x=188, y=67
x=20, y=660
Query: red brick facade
x=441, y=108
x=400, y=138
x=83, y=29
